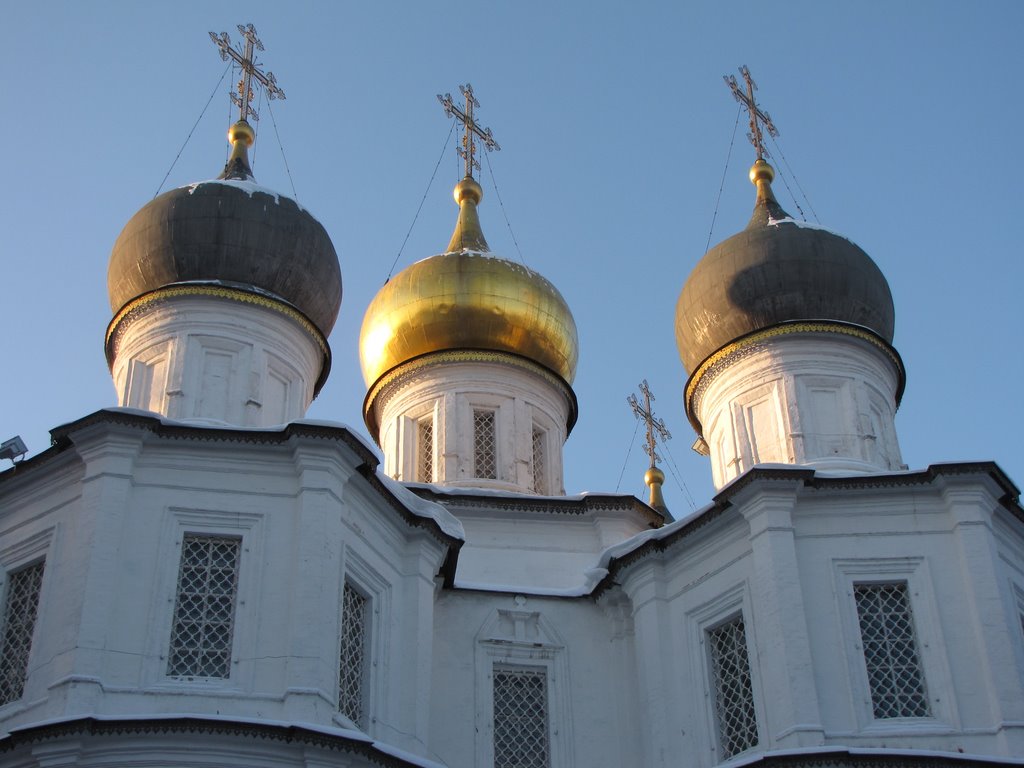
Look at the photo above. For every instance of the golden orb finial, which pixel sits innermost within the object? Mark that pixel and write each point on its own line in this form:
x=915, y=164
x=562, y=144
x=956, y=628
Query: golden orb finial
x=241, y=131
x=468, y=189
x=655, y=478
x=241, y=135
x=468, y=236
x=761, y=176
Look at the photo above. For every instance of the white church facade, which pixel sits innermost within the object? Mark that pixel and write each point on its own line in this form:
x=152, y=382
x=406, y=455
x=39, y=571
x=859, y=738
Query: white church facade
x=201, y=577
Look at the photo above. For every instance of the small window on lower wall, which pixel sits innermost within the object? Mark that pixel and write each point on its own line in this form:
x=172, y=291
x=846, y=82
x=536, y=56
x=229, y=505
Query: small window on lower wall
x=204, y=611
x=352, y=684
x=890, y=651
x=540, y=458
x=521, y=717
x=485, y=445
x=734, y=694
x=425, y=450
x=19, y=620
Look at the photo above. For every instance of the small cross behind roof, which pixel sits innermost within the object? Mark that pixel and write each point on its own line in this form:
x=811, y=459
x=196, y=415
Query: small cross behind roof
x=655, y=426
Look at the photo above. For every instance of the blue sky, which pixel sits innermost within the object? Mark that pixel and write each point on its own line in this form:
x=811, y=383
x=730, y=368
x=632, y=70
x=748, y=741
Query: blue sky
x=899, y=120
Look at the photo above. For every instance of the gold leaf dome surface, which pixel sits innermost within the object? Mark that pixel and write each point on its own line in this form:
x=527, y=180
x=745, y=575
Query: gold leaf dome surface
x=468, y=300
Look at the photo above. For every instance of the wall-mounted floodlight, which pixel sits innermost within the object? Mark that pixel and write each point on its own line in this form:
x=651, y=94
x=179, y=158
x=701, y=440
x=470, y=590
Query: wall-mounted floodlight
x=13, y=449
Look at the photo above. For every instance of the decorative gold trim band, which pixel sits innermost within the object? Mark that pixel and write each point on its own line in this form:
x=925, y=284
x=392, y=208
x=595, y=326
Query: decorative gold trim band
x=786, y=329
x=410, y=367
x=222, y=292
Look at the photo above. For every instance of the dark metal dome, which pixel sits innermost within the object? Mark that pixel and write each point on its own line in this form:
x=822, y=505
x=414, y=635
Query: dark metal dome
x=232, y=231
x=775, y=271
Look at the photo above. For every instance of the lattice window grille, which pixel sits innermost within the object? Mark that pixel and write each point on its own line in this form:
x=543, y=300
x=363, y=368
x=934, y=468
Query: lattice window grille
x=894, y=670
x=521, y=718
x=352, y=669
x=20, y=612
x=734, y=695
x=425, y=450
x=540, y=479
x=485, y=445
x=204, y=612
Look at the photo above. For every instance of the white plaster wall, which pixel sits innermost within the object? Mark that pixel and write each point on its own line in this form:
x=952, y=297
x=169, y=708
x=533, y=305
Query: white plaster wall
x=787, y=557
x=204, y=358
x=578, y=642
x=111, y=532
x=822, y=400
x=538, y=550
x=449, y=392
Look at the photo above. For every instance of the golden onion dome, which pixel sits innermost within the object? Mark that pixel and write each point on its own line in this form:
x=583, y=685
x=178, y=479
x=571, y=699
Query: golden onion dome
x=468, y=299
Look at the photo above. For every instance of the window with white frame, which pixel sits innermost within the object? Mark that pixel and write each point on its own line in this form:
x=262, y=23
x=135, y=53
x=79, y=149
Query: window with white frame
x=485, y=444
x=734, y=694
x=521, y=717
x=204, y=610
x=20, y=609
x=355, y=607
x=540, y=458
x=887, y=635
x=425, y=449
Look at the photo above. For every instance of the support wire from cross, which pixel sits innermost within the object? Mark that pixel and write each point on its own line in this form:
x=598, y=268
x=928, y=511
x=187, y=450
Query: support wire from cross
x=757, y=115
x=472, y=129
x=246, y=60
x=655, y=426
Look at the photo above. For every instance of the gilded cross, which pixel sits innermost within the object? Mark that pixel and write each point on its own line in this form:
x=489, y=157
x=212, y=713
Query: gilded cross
x=246, y=60
x=757, y=115
x=472, y=129
x=655, y=427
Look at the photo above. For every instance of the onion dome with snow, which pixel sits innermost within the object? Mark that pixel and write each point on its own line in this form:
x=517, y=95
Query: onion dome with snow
x=469, y=301
x=232, y=234
x=777, y=271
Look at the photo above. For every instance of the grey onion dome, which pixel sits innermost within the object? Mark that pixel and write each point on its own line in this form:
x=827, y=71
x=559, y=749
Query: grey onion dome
x=229, y=231
x=776, y=271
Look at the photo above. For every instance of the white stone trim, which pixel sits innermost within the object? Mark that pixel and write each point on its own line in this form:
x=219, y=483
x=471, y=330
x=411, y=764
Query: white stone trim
x=246, y=526
x=823, y=400
x=271, y=362
x=13, y=558
x=377, y=590
x=521, y=637
x=451, y=391
x=710, y=614
x=935, y=666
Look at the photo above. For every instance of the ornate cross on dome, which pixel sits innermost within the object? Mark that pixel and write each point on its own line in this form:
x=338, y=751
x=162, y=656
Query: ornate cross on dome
x=468, y=149
x=757, y=115
x=654, y=425
x=247, y=61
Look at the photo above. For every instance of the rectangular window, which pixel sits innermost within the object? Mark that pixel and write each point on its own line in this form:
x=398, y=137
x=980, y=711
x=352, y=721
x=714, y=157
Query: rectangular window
x=890, y=650
x=521, y=717
x=204, y=612
x=734, y=695
x=352, y=670
x=540, y=480
x=20, y=612
x=425, y=450
x=485, y=445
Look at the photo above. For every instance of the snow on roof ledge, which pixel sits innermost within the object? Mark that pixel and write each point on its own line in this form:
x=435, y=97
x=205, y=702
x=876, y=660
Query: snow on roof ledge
x=430, y=510
x=446, y=521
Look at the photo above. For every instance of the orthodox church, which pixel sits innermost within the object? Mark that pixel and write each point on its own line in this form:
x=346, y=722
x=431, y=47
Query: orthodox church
x=201, y=576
